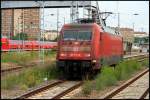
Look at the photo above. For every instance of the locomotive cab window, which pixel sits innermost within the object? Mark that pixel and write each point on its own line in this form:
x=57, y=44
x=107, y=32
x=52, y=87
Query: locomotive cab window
x=77, y=35
x=69, y=35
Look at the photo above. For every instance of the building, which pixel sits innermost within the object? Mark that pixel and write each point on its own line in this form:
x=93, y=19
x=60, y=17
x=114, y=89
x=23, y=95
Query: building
x=128, y=34
x=16, y=21
x=50, y=35
x=128, y=38
x=140, y=34
x=141, y=41
x=7, y=22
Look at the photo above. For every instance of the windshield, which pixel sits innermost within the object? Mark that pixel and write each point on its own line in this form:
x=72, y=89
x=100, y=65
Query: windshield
x=77, y=35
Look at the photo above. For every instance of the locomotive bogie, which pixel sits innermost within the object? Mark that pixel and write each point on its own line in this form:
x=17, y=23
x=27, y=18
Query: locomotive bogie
x=72, y=68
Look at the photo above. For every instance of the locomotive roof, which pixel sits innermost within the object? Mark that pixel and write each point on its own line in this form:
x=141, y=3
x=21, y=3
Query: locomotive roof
x=105, y=28
x=75, y=24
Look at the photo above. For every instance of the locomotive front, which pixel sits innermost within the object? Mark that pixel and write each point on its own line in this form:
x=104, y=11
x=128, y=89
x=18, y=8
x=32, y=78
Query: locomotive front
x=74, y=49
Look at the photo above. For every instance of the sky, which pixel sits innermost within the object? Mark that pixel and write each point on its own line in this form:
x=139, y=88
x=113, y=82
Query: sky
x=127, y=9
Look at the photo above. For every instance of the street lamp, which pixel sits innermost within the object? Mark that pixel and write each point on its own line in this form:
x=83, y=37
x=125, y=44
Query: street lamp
x=106, y=14
x=133, y=22
x=57, y=22
x=135, y=14
x=49, y=21
x=50, y=14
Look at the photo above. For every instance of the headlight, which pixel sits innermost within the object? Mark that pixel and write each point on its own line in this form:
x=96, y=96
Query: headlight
x=94, y=61
x=62, y=54
x=88, y=55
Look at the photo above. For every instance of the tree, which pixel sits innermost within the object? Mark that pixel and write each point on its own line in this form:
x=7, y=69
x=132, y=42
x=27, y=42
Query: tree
x=141, y=40
x=20, y=36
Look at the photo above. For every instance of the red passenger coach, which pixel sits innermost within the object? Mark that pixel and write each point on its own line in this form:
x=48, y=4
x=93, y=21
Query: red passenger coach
x=35, y=45
x=15, y=44
x=84, y=48
x=28, y=45
x=4, y=44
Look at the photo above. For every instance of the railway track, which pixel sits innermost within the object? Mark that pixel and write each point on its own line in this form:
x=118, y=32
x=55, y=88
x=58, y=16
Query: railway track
x=139, y=57
x=135, y=88
x=60, y=88
x=11, y=69
x=54, y=90
x=18, y=68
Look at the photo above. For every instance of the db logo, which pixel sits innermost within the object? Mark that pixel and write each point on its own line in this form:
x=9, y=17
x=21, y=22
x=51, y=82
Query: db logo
x=75, y=49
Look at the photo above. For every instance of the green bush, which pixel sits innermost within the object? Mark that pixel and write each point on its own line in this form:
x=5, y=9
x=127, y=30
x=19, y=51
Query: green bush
x=145, y=63
x=87, y=87
x=30, y=77
x=121, y=71
x=9, y=57
x=20, y=36
x=106, y=78
x=22, y=58
x=109, y=76
x=7, y=84
x=124, y=69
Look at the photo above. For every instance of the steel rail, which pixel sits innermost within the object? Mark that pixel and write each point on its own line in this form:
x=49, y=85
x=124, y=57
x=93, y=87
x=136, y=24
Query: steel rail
x=67, y=91
x=145, y=94
x=125, y=85
x=10, y=69
x=17, y=68
x=134, y=56
x=38, y=90
x=35, y=91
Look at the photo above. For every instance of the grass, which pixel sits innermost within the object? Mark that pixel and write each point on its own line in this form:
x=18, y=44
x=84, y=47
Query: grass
x=145, y=63
x=87, y=87
x=106, y=78
x=30, y=77
x=109, y=76
x=22, y=58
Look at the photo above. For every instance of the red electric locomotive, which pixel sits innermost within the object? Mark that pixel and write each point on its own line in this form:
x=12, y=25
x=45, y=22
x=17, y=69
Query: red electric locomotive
x=84, y=48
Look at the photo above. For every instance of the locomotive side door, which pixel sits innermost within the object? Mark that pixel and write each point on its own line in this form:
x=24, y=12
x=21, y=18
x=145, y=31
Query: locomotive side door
x=101, y=48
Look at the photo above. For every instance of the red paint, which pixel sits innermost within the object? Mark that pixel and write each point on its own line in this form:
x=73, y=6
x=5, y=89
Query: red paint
x=7, y=44
x=4, y=44
x=102, y=44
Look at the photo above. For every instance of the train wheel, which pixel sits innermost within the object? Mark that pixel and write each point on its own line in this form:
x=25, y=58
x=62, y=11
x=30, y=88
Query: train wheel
x=85, y=76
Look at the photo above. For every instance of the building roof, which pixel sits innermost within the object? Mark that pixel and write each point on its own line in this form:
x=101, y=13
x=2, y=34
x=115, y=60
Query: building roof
x=140, y=33
x=126, y=29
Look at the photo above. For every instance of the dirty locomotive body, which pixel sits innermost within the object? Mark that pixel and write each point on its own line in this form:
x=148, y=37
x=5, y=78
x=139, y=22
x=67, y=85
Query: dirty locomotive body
x=84, y=48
